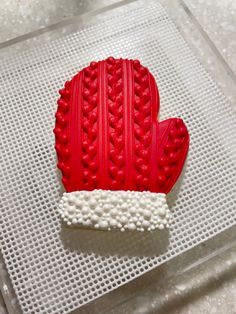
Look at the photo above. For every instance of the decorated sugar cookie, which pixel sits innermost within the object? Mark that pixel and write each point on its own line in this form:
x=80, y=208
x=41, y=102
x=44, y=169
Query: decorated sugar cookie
x=117, y=160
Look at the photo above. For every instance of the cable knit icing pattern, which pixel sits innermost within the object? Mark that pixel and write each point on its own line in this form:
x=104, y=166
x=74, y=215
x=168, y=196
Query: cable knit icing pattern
x=107, y=133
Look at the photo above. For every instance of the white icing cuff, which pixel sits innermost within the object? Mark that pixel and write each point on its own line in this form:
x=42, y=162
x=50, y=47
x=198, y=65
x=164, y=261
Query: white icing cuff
x=124, y=210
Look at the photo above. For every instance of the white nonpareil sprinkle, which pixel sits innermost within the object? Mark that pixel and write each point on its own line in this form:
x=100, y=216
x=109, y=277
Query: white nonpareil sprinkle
x=107, y=210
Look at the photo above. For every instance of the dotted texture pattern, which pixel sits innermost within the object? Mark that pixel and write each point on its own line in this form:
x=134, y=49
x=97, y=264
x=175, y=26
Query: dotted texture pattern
x=55, y=269
x=135, y=152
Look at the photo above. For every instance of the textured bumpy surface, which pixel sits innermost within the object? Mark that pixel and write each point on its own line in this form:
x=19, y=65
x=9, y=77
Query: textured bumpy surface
x=107, y=135
x=124, y=210
x=55, y=269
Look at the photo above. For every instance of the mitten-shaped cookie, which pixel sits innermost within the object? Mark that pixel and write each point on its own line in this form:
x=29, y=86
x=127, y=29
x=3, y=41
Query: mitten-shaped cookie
x=117, y=161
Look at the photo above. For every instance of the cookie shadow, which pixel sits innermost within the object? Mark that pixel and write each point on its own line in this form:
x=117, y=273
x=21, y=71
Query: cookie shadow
x=172, y=196
x=107, y=243
x=128, y=243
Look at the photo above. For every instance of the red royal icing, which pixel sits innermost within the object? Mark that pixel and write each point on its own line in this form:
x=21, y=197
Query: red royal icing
x=107, y=133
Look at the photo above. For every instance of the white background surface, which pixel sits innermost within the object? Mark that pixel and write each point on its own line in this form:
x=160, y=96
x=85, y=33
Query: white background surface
x=218, y=19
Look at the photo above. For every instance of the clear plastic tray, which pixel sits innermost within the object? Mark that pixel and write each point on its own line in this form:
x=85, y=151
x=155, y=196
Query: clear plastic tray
x=124, y=298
